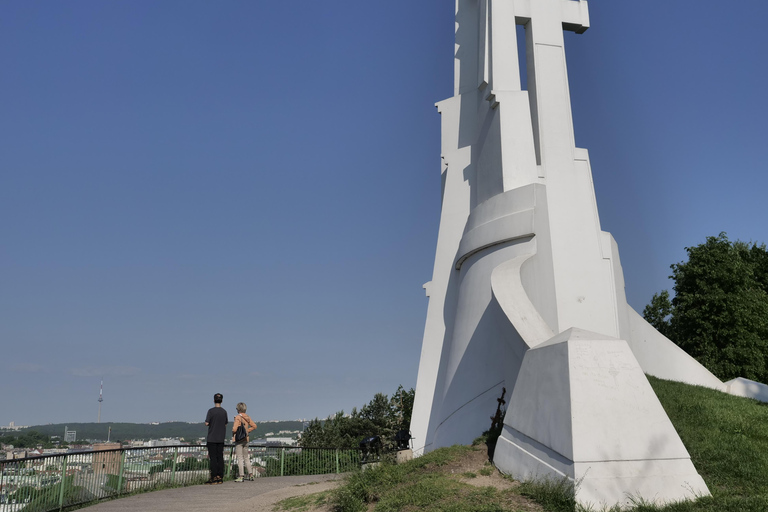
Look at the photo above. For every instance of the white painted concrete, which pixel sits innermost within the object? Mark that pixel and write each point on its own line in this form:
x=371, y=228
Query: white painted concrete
x=663, y=359
x=748, y=388
x=527, y=291
x=582, y=409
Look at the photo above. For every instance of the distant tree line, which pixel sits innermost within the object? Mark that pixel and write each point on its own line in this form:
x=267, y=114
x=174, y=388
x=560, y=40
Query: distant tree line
x=382, y=416
x=719, y=313
x=28, y=439
x=47, y=497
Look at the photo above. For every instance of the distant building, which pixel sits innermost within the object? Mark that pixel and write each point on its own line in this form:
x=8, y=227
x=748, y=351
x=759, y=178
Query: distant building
x=54, y=451
x=12, y=426
x=108, y=461
x=166, y=441
x=70, y=436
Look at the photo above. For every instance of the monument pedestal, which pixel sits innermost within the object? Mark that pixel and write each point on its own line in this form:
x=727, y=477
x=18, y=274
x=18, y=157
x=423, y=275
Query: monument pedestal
x=582, y=409
x=404, y=455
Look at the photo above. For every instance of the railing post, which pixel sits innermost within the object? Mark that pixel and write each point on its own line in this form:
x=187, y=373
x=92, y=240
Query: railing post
x=173, y=470
x=282, y=461
x=122, y=469
x=63, y=476
x=337, y=461
x=2, y=473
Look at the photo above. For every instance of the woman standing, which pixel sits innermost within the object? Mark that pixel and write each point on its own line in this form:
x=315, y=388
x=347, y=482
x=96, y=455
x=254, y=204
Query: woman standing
x=241, y=447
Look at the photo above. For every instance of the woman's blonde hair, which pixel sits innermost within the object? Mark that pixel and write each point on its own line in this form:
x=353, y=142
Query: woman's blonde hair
x=240, y=407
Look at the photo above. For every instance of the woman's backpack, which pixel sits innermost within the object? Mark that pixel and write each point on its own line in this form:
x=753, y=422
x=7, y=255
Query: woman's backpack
x=241, y=434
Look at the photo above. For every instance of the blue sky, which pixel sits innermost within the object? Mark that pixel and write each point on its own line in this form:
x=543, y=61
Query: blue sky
x=243, y=196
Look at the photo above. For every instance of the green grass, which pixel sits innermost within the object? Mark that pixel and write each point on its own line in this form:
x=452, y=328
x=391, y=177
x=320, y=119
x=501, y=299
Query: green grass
x=552, y=495
x=416, y=485
x=726, y=436
x=302, y=503
x=486, y=471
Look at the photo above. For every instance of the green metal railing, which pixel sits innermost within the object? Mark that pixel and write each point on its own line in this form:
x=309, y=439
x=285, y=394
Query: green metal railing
x=57, y=482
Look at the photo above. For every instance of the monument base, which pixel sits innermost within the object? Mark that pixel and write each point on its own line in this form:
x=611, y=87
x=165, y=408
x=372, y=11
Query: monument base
x=748, y=389
x=607, y=482
x=583, y=410
x=404, y=455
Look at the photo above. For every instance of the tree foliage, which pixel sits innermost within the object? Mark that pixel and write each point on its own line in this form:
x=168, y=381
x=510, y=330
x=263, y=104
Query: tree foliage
x=188, y=465
x=295, y=464
x=719, y=313
x=382, y=416
x=658, y=312
x=30, y=439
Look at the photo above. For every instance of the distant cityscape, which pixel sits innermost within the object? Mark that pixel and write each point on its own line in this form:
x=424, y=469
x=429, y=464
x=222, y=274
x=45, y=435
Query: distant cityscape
x=83, y=472
x=81, y=436
x=12, y=426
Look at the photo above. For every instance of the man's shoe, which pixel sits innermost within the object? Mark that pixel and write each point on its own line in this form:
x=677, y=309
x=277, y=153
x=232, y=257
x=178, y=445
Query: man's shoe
x=239, y=479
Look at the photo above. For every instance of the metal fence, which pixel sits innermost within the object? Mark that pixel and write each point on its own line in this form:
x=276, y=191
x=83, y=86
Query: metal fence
x=58, y=482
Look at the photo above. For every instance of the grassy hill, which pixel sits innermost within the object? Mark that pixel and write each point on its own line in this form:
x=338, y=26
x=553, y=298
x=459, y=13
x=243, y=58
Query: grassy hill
x=726, y=436
x=136, y=431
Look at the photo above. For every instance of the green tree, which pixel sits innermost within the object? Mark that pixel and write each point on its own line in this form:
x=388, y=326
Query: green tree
x=24, y=493
x=378, y=415
x=381, y=416
x=309, y=462
x=159, y=468
x=47, y=498
x=402, y=404
x=658, y=313
x=719, y=313
x=31, y=439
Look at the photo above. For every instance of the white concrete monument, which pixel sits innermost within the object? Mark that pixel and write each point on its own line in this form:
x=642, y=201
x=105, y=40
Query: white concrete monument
x=528, y=291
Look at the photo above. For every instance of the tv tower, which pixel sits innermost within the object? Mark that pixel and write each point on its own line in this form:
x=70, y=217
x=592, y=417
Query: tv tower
x=101, y=399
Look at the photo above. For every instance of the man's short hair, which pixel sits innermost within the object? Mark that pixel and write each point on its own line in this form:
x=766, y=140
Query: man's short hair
x=218, y=398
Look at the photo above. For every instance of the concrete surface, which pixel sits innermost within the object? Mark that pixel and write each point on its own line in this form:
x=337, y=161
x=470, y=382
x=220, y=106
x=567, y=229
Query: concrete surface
x=257, y=496
x=583, y=409
x=522, y=260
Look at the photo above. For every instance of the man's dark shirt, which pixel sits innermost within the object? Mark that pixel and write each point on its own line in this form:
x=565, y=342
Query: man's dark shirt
x=217, y=424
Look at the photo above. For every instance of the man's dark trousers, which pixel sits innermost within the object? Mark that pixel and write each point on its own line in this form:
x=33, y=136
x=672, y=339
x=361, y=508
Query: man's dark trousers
x=216, y=458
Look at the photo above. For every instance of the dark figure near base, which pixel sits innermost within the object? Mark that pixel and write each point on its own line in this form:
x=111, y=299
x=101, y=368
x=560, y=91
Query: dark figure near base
x=370, y=447
x=216, y=421
x=403, y=439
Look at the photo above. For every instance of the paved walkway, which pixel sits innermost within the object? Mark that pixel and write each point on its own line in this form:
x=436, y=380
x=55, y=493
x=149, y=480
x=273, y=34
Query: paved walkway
x=257, y=496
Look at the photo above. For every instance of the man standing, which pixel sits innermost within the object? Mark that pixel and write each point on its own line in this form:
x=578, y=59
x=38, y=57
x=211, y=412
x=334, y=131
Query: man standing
x=216, y=421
